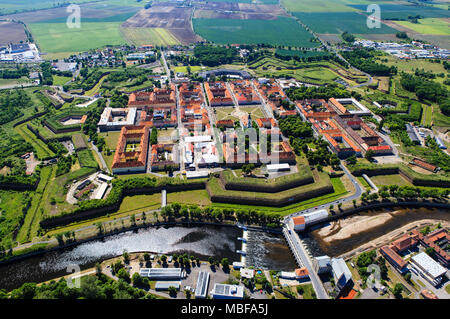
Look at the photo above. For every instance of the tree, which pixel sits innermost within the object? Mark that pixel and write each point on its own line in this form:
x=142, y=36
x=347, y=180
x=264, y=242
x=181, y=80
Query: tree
x=369, y=155
x=164, y=258
x=123, y=274
x=225, y=263
x=187, y=292
x=172, y=291
x=430, y=251
x=126, y=257
x=397, y=290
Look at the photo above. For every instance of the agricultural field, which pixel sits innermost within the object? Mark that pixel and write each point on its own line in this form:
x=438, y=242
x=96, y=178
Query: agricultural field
x=428, y=26
x=396, y=11
x=339, y=22
x=282, y=31
x=316, y=6
x=154, y=36
x=183, y=69
x=161, y=15
x=58, y=38
x=11, y=32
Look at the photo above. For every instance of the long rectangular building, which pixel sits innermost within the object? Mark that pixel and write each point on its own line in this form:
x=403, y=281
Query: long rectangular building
x=201, y=290
x=162, y=273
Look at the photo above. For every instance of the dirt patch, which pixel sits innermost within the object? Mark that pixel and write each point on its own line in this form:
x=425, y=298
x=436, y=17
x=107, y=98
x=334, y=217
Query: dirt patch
x=211, y=14
x=176, y=20
x=345, y=228
x=88, y=11
x=419, y=170
x=11, y=32
x=331, y=38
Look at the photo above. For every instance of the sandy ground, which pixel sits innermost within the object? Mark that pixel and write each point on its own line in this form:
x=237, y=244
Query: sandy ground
x=351, y=226
x=393, y=235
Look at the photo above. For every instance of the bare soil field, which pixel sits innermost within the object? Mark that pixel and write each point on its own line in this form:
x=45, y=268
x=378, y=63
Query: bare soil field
x=210, y=14
x=176, y=20
x=88, y=11
x=11, y=32
x=332, y=38
x=243, y=11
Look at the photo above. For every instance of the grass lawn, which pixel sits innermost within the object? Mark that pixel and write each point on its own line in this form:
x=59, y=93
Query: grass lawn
x=199, y=197
x=60, y=80
x=447, y=288
x=224, y=113
x=183, y=69
x=394, y=179
x=364, y=183
x=432, y=26
x=254, y=111
x=308, y=291
x=57, y=37
x=139, y=203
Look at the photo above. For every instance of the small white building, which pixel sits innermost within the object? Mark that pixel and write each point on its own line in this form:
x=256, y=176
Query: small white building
x=322, y=264
x=247, y=273
x=273, y=168
x=224, y=291
x=238, y=265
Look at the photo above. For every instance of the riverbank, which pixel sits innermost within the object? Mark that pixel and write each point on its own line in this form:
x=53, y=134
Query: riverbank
x=393, y=235
x=339, y=237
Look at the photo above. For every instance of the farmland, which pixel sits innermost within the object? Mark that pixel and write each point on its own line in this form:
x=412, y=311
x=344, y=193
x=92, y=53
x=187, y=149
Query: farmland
x=282, y=31
x=154, y=36
x=57, y=37
x=11, y=32
x=428, y=26
x=339, y=22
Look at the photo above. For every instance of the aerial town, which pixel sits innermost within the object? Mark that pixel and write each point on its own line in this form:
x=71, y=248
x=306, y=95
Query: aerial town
x=170, y=165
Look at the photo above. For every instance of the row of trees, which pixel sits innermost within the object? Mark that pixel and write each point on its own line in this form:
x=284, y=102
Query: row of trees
x=194, y=212
x=405, y=192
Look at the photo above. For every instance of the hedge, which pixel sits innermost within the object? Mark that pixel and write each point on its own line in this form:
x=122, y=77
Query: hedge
x=415, y=178
x=320, y=187
x=231, y=182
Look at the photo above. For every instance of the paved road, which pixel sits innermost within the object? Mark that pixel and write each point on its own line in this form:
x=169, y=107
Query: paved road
x=304, y=261
x=163, y=57
x=356, y=195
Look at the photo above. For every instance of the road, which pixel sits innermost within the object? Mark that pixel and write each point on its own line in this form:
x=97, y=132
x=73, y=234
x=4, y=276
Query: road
x=304, y=261
x=163, y=57
x=295, y=243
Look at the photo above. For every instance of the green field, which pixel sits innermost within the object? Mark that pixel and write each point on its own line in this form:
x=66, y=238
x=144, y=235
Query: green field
x=339, y=22
x=60, y=80
x=316, y=6
x=282, y=31
x=428, y=26
x=57, y=37
x=154, y=36
x=395, y=179
x=183, y=69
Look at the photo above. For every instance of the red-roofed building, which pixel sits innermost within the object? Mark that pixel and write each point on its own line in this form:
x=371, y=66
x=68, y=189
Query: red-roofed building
x=131, y=151
x=394, y=259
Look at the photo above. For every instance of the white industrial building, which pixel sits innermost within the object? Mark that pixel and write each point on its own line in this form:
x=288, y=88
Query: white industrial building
x=201, y=290
x=428, y=268
x=165, y=285
x=247, y=273
x=224, y=291
x=162, y=273
x=341, y=273
x=299, y=223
